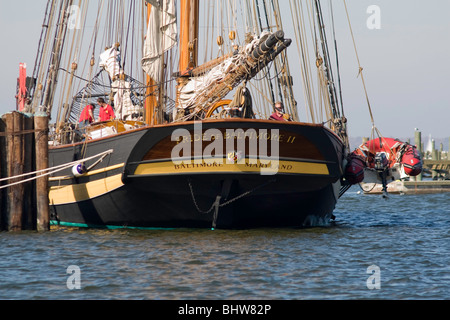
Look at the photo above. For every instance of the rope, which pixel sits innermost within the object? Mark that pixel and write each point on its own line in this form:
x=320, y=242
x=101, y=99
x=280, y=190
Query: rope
x=22, y=132
x=374, y=131
x=367, y=191
x=51, y=170
x=216, y=204
x=360, y=73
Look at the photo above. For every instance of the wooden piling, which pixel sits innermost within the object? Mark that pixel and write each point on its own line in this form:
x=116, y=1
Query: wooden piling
x=419, y=145
x=14, y=127
x=2, y=173
x=42, y=200
x=9, y=128
x=29, y=218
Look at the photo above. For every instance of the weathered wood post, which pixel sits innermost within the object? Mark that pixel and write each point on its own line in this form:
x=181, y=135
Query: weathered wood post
x=419, y=145
x=2, y=172
x=42, y=200
x=8, y=170
x=433, y=157
x=29, y=219
x=14, y=127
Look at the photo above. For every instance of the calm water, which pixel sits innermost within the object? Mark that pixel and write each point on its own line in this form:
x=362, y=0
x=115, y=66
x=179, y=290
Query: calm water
x=407, y=237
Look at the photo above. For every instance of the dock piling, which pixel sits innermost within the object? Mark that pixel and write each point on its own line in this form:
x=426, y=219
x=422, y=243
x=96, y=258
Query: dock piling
x=419, y=145
x=15, y=165
x=23, y=150
x=42, y=200
x=2, y=172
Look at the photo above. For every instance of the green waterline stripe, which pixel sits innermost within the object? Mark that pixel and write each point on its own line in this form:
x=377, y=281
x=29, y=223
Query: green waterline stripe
x=91, y=226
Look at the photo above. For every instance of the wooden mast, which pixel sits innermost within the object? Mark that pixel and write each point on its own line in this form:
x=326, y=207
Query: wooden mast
x=188, y=34
x=188, y=39
x=150, y=100
x=189, y=23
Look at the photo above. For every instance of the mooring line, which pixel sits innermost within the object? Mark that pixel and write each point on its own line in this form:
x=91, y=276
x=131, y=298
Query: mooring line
x=51, y=170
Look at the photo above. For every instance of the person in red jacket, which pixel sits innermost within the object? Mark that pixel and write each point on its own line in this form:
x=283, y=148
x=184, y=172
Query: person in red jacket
x=106, y=111
x=87, y=115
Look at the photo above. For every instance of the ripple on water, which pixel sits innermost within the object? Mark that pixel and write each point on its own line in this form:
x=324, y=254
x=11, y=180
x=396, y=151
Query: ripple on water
x=406, y=236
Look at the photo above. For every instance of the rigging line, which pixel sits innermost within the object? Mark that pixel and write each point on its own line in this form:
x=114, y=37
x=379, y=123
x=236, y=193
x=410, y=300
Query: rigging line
x=135, y=22
x=261, y=93
x=57, y=58
x=84, y=15
x=130, y=13
x=298, y=19
x=337, y=58
x=96, y=27
x=280, y=93
x=287, y=87
x=40, y=71
x=261, y=30
x=206, y=30
x=58, y=168
x=109, y=86
x=92, y=46
x=50, y=46
x=37, y=63
x=212, y=22
x=360, y=73
x=75, y=46
x=326, y=57
x=306, y=62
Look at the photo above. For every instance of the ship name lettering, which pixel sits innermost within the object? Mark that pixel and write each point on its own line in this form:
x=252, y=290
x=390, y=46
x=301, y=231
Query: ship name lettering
x=239, y=136
x=197, y=165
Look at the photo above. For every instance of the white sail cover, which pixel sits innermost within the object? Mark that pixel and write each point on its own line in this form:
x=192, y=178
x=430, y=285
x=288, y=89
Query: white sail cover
x=161, y=35
x=123, y=105
x=110, y=60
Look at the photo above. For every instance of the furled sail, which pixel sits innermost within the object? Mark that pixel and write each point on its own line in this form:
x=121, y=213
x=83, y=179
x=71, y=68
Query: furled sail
x=202, y=92
x=161, y=35
x=124, y=107
x=110, y=61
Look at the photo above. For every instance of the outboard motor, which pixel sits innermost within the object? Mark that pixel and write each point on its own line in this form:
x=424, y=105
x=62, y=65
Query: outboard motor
x=382, y=166
x=381, y=161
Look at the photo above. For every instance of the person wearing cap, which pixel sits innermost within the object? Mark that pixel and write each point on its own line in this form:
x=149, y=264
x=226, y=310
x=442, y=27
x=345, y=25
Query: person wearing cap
x=279, y=114
x=87, y=116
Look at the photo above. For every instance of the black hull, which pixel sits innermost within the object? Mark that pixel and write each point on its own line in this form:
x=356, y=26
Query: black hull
x=128, y=189
x=139, y=207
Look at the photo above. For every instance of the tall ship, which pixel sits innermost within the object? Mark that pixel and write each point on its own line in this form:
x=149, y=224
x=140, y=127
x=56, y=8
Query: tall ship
x=191, y=114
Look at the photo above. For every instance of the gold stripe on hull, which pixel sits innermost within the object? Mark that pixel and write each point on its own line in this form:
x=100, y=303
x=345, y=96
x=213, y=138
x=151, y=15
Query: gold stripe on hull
x=292, y=167
x=59, y=195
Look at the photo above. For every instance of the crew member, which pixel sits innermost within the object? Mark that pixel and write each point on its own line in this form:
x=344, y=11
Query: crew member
x=279, y=114
x=106, y=111
x=87, y=115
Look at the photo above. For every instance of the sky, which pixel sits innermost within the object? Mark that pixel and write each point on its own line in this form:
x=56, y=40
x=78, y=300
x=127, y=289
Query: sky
x=405, y=62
